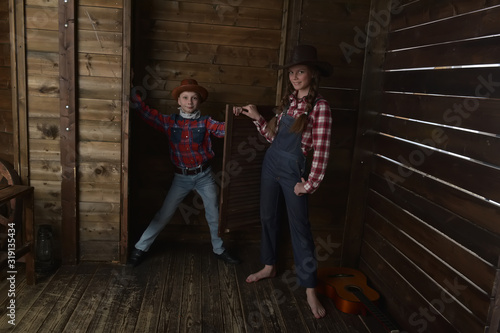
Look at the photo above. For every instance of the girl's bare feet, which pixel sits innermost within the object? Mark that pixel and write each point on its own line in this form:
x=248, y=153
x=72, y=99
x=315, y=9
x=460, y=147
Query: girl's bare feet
x=317, y=309
x=267, y=272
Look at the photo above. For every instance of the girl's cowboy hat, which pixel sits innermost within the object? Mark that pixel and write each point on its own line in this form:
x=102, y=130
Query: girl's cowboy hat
x=307, y=55
x=190, y=85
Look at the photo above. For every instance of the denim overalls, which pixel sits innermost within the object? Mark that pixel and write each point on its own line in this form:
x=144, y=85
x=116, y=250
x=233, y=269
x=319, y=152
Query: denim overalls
x=283, y=166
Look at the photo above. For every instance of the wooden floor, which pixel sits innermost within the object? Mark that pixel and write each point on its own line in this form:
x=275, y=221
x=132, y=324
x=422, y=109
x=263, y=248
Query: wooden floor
x=178, y=288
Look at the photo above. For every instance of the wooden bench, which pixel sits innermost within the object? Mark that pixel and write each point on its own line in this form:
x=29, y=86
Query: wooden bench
x=16, y=224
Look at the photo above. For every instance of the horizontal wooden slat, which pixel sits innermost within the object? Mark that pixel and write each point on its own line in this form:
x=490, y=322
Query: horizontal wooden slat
x=212, y=53
x=46, y=190
x=477, y=178
x=46, y=64
x=96, y=250
x=100, y=151
x=220, y=14
x=471, y=52
x=100, y=131
x=206, y=73
x=100, y=192
x=476, y=146
x=45, y=149
x=41, y=40
x=101, y=42
x=99, y=211
x=100, y=18
x=107, y=230
x=45, y=169
x=89, y=18
x=44, y=128
x=202, y=33
x=383, y=264
x=462, y=27
x=101, y=3
x=458, y=257
x=97, y=172
x=426, y=11
x=270, y=4
x=417, y=195
x=470, y=113
x=467, y=82
x=99, y=87
x=105, y=110
x=437, y=277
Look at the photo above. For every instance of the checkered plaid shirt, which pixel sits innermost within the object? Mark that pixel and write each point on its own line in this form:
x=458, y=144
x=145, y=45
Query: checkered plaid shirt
x=189, y=139
x=316, y=136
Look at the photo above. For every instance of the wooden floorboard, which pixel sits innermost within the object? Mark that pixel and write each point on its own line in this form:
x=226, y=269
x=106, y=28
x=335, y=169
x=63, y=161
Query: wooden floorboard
x=178, y=288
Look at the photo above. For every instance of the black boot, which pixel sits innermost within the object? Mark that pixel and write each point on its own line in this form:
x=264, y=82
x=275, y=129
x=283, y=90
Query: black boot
x=136, y=257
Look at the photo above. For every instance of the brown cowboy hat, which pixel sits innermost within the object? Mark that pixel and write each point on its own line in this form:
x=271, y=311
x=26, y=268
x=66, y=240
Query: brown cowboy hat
x=307, y=55
x=190, y=85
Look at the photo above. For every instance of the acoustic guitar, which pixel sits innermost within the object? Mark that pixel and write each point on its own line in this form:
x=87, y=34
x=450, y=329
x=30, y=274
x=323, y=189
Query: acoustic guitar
x=351, y=294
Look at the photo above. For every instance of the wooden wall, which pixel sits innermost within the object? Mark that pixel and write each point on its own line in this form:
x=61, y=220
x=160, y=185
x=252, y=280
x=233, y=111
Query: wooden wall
x=332, y=27
x=231, y=47
x=428, y=142
x=6, y=121
x=99, y=128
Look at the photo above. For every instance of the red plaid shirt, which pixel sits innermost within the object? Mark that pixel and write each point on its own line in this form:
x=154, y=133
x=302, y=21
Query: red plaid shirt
x=189, y=139
x=316, y=136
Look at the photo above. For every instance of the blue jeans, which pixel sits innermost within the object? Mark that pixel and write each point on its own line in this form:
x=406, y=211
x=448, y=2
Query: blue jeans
x=205, y=185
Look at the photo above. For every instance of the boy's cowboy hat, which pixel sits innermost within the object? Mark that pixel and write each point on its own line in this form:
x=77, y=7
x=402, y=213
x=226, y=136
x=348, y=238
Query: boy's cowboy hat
x=307, y=55
x=190, y=85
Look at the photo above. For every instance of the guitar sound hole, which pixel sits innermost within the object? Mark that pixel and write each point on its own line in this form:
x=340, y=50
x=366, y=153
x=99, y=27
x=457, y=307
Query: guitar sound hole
x=353, y=289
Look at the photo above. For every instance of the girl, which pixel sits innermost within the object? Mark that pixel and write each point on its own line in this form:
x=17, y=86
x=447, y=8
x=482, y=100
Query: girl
x=303, y=122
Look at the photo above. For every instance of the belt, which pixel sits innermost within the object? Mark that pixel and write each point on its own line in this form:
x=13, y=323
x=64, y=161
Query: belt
x=192, y=171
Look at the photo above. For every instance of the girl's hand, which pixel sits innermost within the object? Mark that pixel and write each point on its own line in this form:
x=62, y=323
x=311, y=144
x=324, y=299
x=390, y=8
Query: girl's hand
x=299, y=188
x=249, y=110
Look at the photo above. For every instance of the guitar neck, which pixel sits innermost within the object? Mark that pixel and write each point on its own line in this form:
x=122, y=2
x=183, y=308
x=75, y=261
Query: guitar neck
x=374, y=310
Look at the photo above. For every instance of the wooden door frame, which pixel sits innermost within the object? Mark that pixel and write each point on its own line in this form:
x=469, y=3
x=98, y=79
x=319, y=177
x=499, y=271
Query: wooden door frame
x=18, y=87
x=126, y=85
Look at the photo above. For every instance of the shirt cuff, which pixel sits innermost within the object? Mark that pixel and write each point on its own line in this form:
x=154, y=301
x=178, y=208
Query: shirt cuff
x=261, y=122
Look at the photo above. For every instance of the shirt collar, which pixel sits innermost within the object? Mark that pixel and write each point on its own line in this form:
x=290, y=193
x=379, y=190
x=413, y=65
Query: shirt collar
x=194, y=115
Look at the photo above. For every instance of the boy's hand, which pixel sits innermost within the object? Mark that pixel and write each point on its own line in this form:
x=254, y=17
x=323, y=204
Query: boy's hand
x=250, y=111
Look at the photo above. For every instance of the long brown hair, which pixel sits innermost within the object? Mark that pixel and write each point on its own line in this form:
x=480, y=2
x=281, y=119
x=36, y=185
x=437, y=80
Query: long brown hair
x=300, y=124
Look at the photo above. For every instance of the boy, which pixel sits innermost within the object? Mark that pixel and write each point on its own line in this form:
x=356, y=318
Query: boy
x=191, y=152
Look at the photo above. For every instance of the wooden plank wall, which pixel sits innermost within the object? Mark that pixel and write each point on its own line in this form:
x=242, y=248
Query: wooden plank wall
x=229, y=47
x=99, y=121
x=6, y=123
x=431, y=240
x=332, y=26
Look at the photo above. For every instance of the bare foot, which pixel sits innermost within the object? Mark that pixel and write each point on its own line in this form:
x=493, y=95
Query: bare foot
x=317, y=309
x=267, y=272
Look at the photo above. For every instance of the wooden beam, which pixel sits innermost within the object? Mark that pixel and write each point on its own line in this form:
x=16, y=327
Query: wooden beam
x=126, y=84
x=68, y=130
x=19, y=89
x=371, y=92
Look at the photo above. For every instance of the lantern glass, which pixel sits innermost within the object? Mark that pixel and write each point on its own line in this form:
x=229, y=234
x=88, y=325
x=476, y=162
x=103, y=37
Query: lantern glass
x=44, y=262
